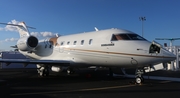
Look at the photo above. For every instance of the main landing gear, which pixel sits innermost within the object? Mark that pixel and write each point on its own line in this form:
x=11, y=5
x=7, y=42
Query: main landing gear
x=110, y=73
x=139, y=77
x=70, y=70
x=43, y=70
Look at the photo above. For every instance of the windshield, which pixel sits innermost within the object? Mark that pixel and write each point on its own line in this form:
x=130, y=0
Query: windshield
x=126, y=37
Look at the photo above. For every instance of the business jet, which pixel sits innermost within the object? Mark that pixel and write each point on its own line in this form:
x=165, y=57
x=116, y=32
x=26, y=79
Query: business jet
x=102, y=48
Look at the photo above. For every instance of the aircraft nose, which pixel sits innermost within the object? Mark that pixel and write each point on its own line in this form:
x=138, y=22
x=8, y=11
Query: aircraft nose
x=168, y=56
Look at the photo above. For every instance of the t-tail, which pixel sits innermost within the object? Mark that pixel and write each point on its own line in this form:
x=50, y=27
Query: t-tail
x=26, y=41
x=23, y=30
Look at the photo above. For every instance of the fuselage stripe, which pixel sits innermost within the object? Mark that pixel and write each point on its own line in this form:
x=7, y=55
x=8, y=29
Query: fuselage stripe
x=108, y=52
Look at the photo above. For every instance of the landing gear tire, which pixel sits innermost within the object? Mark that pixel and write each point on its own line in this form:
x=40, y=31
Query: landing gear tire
x=44, y=72
x=110, y=73
x=139, y=80
x=139, y=76
x=70, y=71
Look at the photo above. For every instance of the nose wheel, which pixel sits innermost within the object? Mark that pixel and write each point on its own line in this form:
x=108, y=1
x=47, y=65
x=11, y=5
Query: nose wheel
x=139, y=77
x=139, y=80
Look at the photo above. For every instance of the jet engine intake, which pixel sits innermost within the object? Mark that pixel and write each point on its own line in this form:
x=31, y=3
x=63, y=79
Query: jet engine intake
x=28, y=43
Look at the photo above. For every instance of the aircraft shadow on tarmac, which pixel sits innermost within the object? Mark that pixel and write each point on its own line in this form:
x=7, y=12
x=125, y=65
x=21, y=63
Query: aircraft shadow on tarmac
x=88, y=84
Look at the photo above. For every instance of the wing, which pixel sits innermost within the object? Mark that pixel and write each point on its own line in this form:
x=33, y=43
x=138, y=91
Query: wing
x=29, y=61
x=167, y=38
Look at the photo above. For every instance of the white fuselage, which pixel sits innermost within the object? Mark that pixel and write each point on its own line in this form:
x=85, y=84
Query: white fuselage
x=98, y=48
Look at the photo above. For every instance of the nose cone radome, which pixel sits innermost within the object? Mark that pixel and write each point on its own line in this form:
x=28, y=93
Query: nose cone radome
x=168, y=56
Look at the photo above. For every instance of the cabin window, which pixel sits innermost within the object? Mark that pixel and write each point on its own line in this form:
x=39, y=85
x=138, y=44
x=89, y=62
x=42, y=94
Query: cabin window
x=50, y=46
x=82, y=42
x=62, y=43
x=68, y=42
x=90, y=41
x=74, y=42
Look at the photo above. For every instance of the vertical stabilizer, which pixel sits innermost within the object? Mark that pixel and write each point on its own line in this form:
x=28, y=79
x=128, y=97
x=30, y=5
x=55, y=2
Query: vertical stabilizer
x=23, y=30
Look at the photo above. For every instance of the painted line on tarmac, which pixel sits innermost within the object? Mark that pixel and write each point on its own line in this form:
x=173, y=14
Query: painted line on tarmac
x=153, y=77
x=78, y=90
x=165, y=82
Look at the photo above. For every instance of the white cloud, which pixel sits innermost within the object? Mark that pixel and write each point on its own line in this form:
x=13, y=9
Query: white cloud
x=35, y=34
x=11, y=39
x=47, y=34
x=1, y=28
x=11, y=28
x=43, y=34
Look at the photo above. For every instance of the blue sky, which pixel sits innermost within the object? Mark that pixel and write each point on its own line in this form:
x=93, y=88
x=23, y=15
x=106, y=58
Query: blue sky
x=75, y=16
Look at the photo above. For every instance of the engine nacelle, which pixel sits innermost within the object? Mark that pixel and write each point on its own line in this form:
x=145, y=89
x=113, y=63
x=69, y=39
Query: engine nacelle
x=58, y=69
x=27, y=43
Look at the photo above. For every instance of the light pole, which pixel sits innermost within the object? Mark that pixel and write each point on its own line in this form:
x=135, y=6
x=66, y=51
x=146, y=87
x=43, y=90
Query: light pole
x=142, y=19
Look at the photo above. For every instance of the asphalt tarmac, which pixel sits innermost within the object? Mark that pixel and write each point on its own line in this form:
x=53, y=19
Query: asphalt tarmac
x=25, y=83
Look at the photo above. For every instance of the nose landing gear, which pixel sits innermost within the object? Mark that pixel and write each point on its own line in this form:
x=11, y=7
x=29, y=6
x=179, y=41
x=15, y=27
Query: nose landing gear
x=139, y=77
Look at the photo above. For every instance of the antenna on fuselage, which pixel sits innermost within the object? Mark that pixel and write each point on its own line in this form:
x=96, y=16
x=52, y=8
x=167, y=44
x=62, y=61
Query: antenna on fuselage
x=57, y=35
x=96, y=29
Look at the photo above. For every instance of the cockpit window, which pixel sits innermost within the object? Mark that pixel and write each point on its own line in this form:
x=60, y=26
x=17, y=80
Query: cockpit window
x=135, y=37
x=126, y=37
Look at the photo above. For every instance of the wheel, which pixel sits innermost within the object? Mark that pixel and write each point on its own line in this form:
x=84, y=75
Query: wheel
x=139, y=80
x=44, y=72
x=110, y=73
x=70, y=71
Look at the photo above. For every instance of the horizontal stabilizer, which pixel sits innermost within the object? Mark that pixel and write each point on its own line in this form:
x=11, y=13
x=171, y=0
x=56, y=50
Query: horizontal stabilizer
x=22, y=28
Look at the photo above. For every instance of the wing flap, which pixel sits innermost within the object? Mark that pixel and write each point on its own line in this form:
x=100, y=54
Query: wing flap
x=29, y=61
